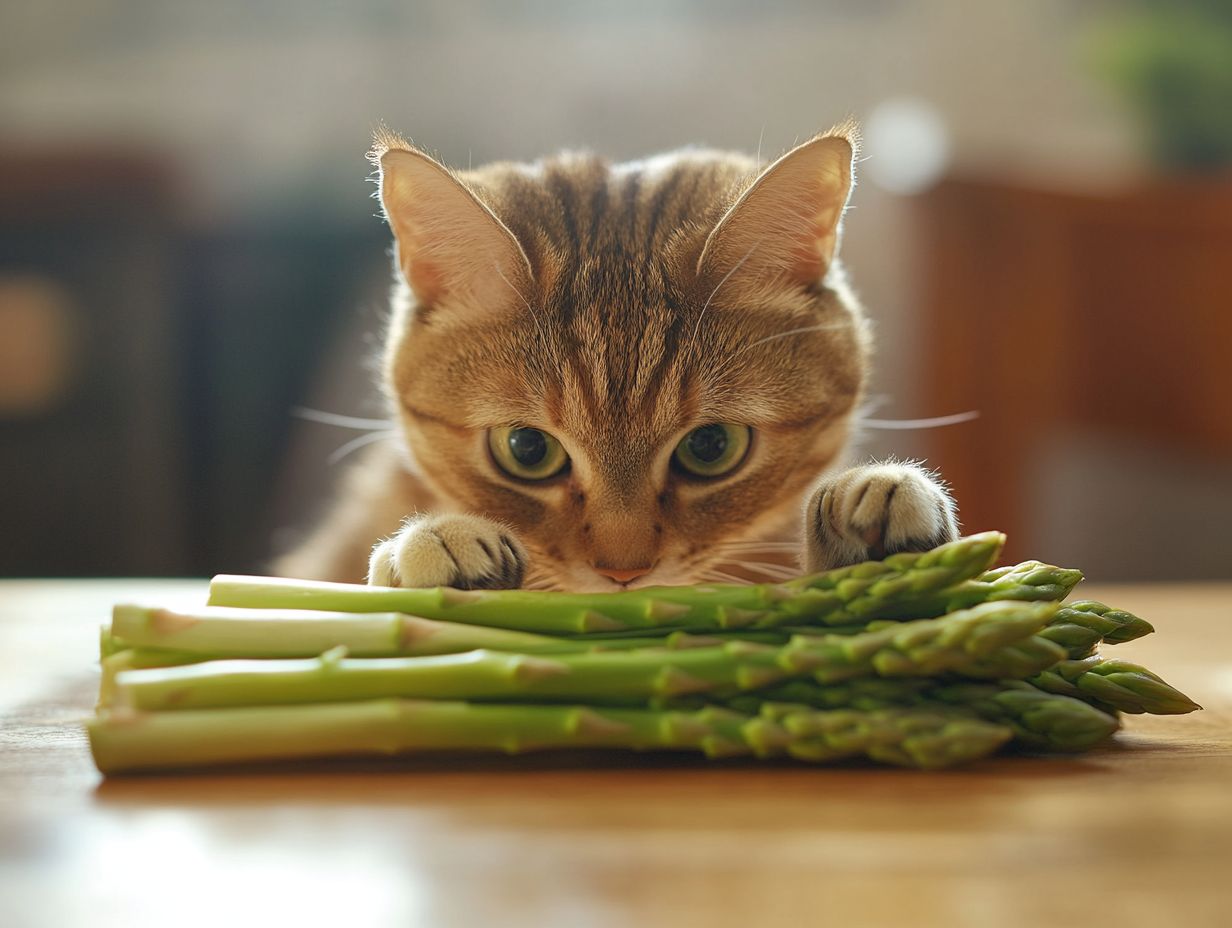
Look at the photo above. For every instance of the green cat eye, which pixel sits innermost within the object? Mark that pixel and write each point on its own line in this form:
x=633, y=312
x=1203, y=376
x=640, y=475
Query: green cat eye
x=713, y=450
x=528, y=454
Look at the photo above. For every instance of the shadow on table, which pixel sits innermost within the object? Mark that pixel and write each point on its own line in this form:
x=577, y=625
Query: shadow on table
x=562, y=775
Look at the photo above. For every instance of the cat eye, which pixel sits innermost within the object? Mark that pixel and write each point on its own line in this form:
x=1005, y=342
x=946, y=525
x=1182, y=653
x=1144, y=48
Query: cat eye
x=713, y=450
x=528, y=454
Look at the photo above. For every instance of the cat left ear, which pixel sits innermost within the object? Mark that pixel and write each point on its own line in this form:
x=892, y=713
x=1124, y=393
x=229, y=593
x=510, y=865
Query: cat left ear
x=784, y=229
x=452, y=249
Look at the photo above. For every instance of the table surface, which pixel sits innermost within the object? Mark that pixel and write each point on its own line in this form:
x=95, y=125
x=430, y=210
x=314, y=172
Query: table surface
x=1139, y=831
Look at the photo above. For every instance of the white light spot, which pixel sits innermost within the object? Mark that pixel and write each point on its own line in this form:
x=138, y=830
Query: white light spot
x=906, y=146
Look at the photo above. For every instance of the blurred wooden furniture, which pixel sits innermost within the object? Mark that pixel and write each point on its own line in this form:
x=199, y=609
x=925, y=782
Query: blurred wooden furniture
x=1136, y=834
x=150, y=360
x=92, y=475
x=1049, y=311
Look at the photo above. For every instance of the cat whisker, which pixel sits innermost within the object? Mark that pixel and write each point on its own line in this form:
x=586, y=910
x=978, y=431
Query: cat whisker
x=543, y=335
x=759, y=554
x=773, y=571
x=342, y=451
x=763, y=576
x=538, y=578
x=723, y=576
x=705, y=306
x=801, y=331
x=757, y=546
x=339, y=420
x=933, y=422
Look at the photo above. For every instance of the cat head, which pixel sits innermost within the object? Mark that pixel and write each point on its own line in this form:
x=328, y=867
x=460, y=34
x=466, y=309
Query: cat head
x=635, y=366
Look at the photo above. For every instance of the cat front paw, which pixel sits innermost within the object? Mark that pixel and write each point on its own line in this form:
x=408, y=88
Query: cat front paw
x=876, y=510
x=461, y=551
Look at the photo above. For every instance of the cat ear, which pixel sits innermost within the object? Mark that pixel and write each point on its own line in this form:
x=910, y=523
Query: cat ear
x=785, y=227
x=451, y=247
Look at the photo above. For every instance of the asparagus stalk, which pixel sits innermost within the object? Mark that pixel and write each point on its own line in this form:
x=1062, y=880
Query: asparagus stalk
x=611, y=678
x=136, y=659
x=1115, y=684
x=1017, y=660
x=963, y=640
x=125, y=740
x=834, y=597
x=1081, y=626
x=1078, y=627
x=116, y=661
x=864, y=694
x=1030, y=581
x=922, y=738
x=983, y=639
x=220, y=632
x=1038, y=719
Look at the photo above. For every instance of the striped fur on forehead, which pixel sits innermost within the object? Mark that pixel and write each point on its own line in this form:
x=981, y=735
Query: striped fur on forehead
x=613, y=251
x=619, y=328
x=577, y=206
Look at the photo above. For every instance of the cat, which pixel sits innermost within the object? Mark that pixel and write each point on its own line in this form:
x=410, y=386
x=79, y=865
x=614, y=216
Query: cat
x=613, y=376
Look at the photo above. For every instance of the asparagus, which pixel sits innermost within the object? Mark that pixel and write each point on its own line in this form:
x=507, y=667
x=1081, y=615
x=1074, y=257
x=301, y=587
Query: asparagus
x=1081, y=626
x=864, y=693
x=1115, y=684
x=835, y=597
x=219, y=632
x=987, y=635
x=136, y=659
x=1078, y=627
x=118, y=656
x=125, y=740
x=1030, y=581
x=1017, y=660
x=1038, y=719
x=844, y=663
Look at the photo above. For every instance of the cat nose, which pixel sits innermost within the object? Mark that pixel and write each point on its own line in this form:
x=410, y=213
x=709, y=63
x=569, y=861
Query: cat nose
x=623, y=575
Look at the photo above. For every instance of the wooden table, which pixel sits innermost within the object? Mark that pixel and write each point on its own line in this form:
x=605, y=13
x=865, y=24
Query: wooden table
x=1137, y=833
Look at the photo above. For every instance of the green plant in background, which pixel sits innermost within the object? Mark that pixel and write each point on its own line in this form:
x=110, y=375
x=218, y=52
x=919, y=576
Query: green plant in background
x=1172, y=61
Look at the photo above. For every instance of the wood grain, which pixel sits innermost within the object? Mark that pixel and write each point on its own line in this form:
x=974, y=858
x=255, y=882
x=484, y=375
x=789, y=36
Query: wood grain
x=1137, y=832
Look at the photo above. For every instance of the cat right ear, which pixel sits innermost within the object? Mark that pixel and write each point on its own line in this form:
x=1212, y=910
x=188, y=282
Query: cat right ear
x=452, y=249
x=784, y=229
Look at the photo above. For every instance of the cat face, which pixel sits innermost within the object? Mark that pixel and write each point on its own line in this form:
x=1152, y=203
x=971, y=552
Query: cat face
x=634, y=366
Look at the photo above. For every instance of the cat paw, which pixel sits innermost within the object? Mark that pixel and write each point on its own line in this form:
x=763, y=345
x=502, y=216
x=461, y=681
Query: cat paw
x=461, y=551
x=873, y=511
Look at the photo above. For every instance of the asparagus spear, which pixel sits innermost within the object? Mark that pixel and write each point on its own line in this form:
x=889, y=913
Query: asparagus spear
x=219, y=632
x=834, y=597
x=969, y=639
x=864, y=693
x=1038, y=719
x=134, y=659
x=1080, y=626
x=1030, y=581
x=1115, y=684
x=124, y=740
x=922, y=738
x=1018, y=660
x=145, y=658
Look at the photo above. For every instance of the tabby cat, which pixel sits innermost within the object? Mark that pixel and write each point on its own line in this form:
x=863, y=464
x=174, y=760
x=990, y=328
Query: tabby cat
x=610, y=376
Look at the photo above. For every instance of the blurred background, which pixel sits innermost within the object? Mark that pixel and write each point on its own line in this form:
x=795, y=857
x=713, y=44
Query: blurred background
x=189, y=251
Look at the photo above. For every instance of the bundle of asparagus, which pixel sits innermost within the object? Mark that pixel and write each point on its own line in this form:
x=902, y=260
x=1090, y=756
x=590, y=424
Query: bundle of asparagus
x=922, y=660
